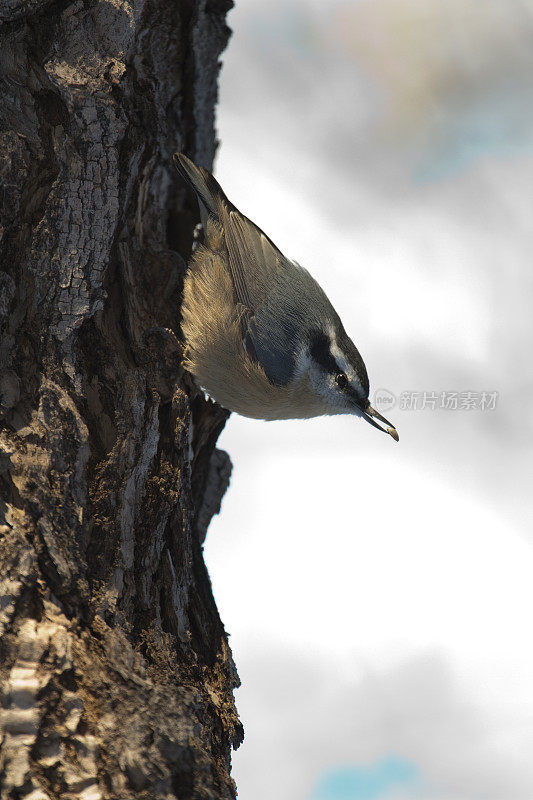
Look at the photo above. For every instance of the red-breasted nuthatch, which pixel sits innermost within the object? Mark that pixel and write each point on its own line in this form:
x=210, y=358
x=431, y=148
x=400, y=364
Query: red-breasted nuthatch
x=261, y=336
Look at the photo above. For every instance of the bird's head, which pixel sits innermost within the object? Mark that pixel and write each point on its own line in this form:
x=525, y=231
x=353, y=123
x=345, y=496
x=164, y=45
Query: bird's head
x=338, y=376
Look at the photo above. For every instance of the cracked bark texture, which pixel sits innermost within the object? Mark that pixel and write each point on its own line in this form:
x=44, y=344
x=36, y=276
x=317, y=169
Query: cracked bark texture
x=117, y=679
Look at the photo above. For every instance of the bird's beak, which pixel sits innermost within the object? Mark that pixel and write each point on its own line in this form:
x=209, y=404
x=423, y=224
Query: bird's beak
x=370, y=412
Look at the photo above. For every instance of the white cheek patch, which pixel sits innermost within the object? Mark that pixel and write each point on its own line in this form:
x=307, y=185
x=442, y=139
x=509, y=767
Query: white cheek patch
x=326, y=388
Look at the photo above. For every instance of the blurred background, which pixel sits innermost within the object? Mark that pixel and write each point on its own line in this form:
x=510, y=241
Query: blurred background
x=379, y=595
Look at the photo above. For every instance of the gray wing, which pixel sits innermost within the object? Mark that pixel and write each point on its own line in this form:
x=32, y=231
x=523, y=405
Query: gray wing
x=274, y=292
x=254, y=260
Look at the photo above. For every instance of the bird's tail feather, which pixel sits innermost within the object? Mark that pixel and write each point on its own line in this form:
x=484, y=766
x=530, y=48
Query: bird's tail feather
x=206, y=187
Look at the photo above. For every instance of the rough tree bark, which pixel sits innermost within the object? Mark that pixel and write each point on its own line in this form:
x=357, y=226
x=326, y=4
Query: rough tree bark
x=117, y=679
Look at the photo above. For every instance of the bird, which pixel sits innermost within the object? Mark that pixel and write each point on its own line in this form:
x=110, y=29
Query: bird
x=260, y=335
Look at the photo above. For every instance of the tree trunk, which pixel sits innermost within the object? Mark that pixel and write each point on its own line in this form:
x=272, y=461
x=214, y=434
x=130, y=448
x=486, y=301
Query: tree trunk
x=117, y=678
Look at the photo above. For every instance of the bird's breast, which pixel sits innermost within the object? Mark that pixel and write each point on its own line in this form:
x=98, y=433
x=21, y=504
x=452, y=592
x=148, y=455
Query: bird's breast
x=215, y=354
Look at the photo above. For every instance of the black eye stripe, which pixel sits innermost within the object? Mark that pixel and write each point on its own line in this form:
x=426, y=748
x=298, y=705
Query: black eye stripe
x=321, y=354
x=320, y=351
x=354, y=358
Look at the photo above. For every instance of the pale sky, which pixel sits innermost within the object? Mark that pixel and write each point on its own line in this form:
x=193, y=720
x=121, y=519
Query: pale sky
x=378, y=595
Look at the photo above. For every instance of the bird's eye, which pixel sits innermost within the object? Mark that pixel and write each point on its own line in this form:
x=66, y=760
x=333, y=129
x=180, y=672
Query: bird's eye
x=341, y=380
